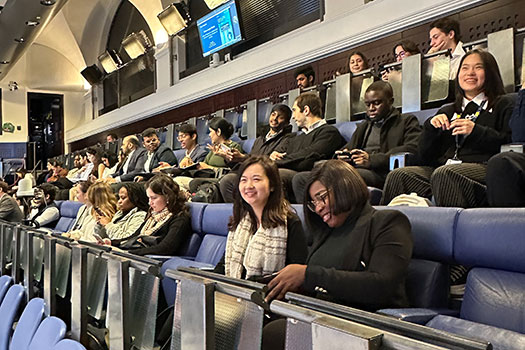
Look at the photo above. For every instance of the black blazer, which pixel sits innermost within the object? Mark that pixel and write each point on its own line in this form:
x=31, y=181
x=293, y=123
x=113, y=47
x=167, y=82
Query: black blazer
x=368, y=266
x=135, y=166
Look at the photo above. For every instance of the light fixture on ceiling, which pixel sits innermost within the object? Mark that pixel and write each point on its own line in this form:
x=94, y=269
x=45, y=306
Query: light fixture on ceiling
x=110, y=61
x=4, y=62
x=48, y=2
x=174, y=18
x=20, y=40
x=136, y=44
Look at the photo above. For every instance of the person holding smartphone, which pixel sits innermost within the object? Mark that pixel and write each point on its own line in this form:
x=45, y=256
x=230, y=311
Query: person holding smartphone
x=132, y=207
x=265, y=234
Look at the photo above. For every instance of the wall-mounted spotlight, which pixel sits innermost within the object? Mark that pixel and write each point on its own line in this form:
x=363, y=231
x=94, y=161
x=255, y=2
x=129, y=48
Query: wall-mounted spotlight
x=20, y=40
x=48, y=2
x=4, y=62
x=174, y=18
x=110, y=61
x=92, y=74
x=136, y=44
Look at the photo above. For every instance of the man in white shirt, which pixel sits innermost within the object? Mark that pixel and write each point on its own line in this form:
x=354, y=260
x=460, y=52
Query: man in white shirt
x=444, y=35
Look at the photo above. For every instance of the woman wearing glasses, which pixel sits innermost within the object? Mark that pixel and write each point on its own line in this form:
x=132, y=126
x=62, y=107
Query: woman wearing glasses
x=359, y=256
x=265, y=235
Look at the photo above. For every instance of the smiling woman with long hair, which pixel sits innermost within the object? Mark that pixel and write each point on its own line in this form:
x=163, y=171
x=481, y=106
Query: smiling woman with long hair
x=459, y=140
x=265, y=235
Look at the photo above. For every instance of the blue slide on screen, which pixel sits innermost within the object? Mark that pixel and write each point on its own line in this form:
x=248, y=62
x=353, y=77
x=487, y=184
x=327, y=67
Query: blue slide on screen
x=219, y=29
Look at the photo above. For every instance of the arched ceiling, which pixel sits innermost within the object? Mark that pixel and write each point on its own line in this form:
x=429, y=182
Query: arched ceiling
x=76, y=30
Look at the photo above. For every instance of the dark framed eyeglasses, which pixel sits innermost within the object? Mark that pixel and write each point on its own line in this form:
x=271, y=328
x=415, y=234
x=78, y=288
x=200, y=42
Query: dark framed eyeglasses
x=320, y=198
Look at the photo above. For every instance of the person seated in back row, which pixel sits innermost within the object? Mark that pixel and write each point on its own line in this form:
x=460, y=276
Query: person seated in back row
x=9, y=209
x=157, y=153
x=43, y=211
x=460, y=139
x=506, y=171
x=276, y=139
x=194, y=153
x=384, y=132
x=317, y=142
x=217, y=159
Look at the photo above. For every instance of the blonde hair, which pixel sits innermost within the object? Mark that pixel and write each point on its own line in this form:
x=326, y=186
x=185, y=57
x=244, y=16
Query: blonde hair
x=101, y=196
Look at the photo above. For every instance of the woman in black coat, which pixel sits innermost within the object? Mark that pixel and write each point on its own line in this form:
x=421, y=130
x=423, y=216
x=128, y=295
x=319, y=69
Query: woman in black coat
x=359, y=256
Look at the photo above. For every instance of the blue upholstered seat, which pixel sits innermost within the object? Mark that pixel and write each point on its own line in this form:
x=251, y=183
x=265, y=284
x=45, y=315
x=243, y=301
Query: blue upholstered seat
x=68, y=344
x=28, y=324
x=49, y=333
x=5, y=283
x=8, y=312
x=68, y=214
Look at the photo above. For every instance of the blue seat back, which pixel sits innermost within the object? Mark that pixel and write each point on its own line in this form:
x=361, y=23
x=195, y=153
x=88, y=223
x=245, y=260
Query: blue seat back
x=215, y=227
x=248, y=145
x=5, y=283
x=68, y=214
x=491, y=237
x=427, y=284
x=433, y=231
x=68, y=344
x=8, y=312
x=192, y=245
x=179, y=154
x=495, y=298
x=28, y=324
x=347, y=129
x=49, y=333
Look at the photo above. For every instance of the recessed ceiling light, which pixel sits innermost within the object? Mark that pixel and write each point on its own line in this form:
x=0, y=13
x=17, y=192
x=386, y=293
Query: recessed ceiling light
x=20, y=40
x=32, y=23
x=4, y=62
x=47, y=2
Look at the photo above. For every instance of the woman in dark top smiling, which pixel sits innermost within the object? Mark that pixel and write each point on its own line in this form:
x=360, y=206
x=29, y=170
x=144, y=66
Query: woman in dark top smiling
x=359, y=256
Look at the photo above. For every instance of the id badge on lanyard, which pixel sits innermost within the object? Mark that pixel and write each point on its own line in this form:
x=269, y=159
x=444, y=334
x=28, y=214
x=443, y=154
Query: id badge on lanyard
x=459, y=140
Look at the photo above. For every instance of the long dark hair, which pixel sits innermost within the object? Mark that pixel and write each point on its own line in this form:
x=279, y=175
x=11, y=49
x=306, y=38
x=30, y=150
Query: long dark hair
x=225, y=126
x=137, y=195
x=165, y=186
x=493, y=85
x=348, y=190
x=276, y=210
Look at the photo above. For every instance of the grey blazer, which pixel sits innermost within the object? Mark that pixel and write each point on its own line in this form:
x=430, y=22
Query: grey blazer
x=9, y=210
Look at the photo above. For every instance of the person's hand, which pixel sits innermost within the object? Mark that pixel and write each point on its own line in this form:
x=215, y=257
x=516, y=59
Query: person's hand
x=360, y=158
x=162, y=165
x=203, y=165
x=385, y=74
x=234, y=155
x=108, y=180
x=462, y=127
x=277, y=156
x=289, y=279
x=440, y=121
x=138, y=178
x=437, y=48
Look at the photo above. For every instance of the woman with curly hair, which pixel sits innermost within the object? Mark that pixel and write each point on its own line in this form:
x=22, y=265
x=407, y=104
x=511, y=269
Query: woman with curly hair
x=168, y=223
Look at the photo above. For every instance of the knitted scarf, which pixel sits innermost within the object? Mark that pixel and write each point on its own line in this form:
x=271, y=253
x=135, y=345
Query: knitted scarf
x=260, y=254
x=155, y=221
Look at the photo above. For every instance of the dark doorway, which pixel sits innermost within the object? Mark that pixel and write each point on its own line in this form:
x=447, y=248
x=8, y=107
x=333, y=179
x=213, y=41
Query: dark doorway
x=46, y=127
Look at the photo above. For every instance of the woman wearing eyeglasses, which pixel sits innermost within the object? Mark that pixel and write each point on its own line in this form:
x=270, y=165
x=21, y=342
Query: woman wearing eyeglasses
x=359, y=256
x=265, y=234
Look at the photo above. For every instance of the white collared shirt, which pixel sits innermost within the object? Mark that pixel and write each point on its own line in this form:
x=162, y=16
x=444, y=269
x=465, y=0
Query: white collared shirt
x=314, y=126
x=148, y=162
x=455, y=60
x=126, y=163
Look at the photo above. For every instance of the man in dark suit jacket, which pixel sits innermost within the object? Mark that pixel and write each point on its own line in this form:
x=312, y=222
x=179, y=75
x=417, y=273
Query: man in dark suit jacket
x=156, y=153
x=135, y=158
x=9, y=209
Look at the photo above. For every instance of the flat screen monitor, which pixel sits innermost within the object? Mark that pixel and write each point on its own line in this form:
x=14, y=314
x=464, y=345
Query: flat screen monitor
x=220, y=28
